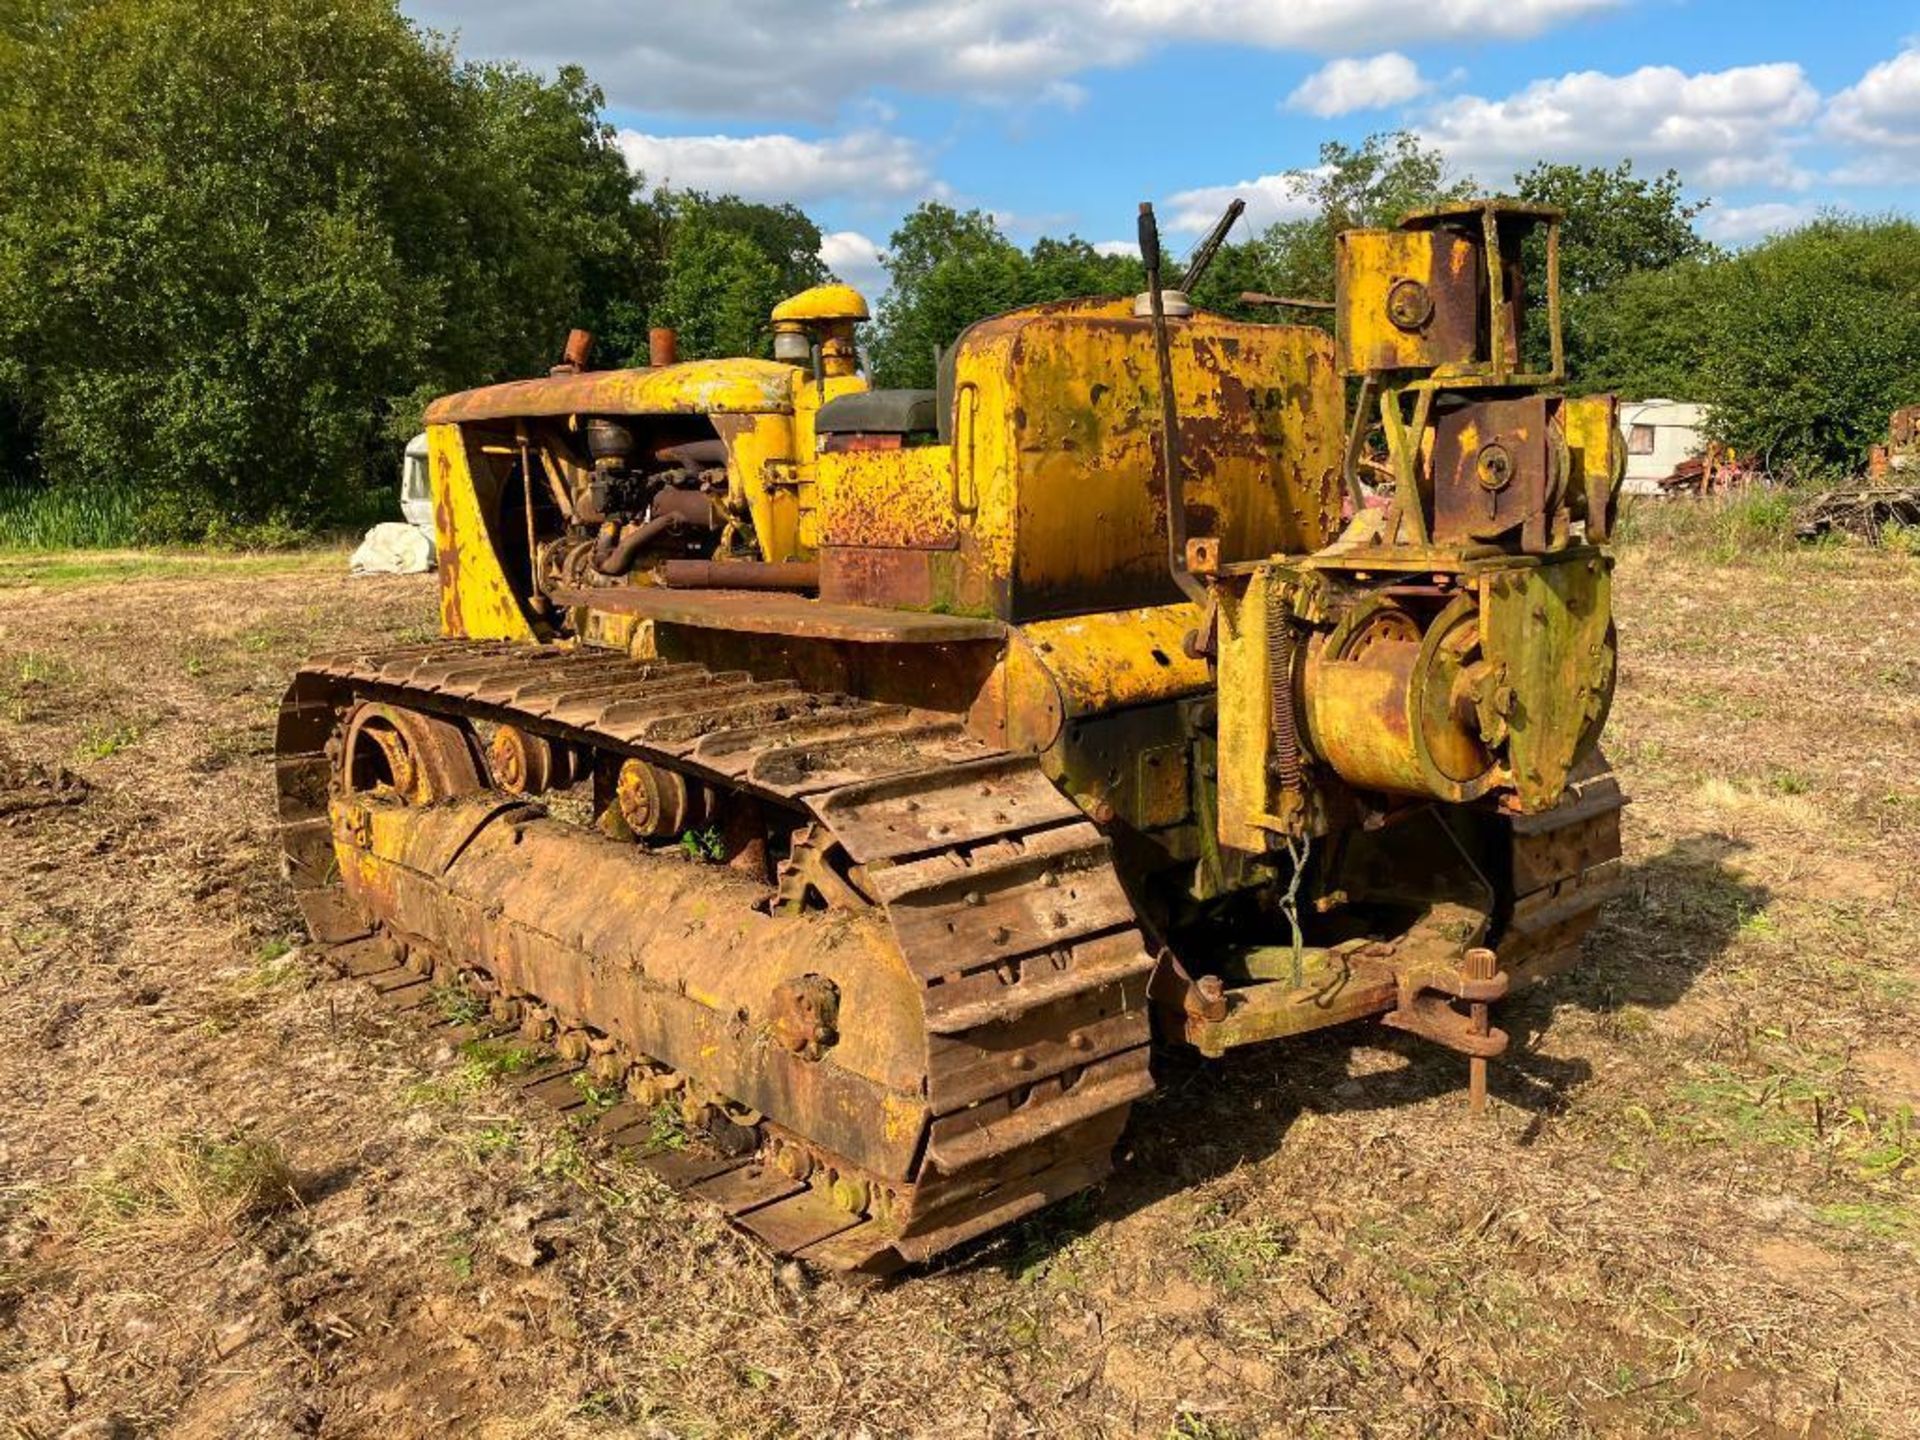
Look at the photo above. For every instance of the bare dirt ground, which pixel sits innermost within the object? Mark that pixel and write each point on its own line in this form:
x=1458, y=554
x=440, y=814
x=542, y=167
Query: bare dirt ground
x=236, y=1200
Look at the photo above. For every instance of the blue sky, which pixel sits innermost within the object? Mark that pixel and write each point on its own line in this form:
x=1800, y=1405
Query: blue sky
x=1062, y=117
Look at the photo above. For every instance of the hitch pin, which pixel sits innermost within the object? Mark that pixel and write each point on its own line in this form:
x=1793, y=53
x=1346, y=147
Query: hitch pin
x=1480, y=966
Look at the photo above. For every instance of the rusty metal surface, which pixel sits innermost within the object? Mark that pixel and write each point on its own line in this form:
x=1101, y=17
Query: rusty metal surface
x=1564, y=866
x=1549, y=631
x=803, y=1222
x=1333, y=988
x=954, y=1043
x=1048, y=435
x=889, y=499
x=1406, y=300
x=755, y=613
x=1109, y=661
x=1496, y=465
x=873, y=917
x=700, y=387
x=523, y=764
x=740, y=575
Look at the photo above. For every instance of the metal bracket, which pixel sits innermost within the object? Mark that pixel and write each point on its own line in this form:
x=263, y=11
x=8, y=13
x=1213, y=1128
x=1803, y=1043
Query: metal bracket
x=1174, y=989
x=353, y=826
x=1431, y=1017
x=1426, y=1009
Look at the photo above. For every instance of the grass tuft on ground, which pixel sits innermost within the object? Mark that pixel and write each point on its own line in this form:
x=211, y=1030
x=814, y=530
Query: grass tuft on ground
x=64, y=568
x=185, y=1186
x=68, y=518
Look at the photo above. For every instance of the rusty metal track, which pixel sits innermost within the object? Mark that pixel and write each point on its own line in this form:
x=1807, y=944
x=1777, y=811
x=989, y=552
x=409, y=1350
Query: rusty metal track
x=1565, y=865
x=784, y=1213
x=1002, y=899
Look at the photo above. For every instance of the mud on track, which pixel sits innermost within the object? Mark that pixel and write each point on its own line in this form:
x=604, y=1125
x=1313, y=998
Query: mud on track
x=238, y=1199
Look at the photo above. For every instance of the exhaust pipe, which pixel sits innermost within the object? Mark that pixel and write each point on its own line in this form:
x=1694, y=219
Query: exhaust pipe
x=801, y=575
x=578, y=352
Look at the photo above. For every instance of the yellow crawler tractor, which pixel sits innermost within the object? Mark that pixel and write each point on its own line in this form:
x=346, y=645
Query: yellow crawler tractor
x=878, y=777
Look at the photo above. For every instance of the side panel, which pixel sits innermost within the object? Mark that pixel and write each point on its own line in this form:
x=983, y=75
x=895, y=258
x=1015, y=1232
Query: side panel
x=1598, y=456
x=890, y=499
x=1112, y=660
x=1408, y=300
x=773, y=465
x=809, y=395
x=1550, y=629
x=476, y=601
x=1055, y=672
x=760, y=455
x=888, y=529
x=1057, y=445
x=1245, y=817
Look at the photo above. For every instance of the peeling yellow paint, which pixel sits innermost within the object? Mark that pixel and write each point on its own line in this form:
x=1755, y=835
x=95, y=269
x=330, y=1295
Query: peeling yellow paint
x=696, y=387
x=476, y=602
x=1057, y=450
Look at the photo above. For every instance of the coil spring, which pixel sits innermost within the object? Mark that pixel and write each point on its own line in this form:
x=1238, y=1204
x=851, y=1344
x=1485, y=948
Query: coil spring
x=1281, y=654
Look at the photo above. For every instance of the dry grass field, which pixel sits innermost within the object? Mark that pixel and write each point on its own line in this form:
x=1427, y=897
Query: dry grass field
x=237, y=1200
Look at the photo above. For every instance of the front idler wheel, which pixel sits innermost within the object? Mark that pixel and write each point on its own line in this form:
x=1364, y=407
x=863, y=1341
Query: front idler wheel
x=387, y=750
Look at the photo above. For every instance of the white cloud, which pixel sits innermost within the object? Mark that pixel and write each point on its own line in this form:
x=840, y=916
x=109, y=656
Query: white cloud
x=1117, y=247
x=1344, y=24
x=855, y=260
x=783, y=167
x=1020, y=225
x=1743, y=224
x=1269, y=198
x=1343, y=86
x=1718, y=128
x=764, y=57
x=1875, y=167
x=1883, y=109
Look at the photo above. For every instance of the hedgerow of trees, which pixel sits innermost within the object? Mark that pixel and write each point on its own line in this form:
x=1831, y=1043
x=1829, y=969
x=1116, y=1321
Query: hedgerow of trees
x=1802, y=345
x=241, y=246
x=947, y=269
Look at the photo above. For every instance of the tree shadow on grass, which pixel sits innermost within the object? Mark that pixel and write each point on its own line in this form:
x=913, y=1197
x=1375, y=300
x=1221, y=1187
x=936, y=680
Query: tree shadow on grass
x=1675, y=915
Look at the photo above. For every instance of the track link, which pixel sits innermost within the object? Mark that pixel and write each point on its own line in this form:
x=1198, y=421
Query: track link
x=1566, y=864
x=1001, y=897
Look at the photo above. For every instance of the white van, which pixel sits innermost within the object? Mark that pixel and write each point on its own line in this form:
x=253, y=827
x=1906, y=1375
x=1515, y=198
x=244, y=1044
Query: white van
x=416, y=492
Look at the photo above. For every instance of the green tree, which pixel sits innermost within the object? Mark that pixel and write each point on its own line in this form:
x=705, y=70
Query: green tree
x=948, y=269
x=724, y=263
x=551, y=233
x=783, y=234
x=1236, y=269
x=1617, y=223
x=1799, y=346
x=1070, y=268
x=547, y=150
x=719, y=291
x=1373, y=184
x=1647, y=334
x=237, y=243
x=945, y=269
x=1815, y=340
